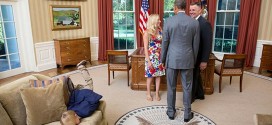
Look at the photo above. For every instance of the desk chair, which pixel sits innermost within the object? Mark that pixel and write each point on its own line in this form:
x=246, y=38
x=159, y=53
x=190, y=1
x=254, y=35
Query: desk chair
x=231, y=65
x=118, y=61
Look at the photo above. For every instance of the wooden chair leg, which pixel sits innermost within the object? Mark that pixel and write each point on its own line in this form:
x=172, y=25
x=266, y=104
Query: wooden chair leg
x=112, y=74
x=128, y=76
x=108, y=77
x=220, y=80
x=230, y=79
x=241, y=81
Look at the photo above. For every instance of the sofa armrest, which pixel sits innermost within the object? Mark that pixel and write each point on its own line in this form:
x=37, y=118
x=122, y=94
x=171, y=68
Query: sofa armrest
x=102, y=107
x=4, y=119
x=15, y=85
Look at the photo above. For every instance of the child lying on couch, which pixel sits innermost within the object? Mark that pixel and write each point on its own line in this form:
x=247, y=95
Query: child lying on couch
x=83, y=101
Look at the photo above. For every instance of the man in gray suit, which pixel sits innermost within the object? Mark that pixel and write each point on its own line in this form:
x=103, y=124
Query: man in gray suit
x=179, y=52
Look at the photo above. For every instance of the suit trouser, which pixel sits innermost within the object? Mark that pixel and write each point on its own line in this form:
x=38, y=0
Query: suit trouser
x=186, y=79
x=197, y=90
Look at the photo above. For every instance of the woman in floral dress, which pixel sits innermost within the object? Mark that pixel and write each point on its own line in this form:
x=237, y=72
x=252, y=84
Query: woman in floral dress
x=152, y=47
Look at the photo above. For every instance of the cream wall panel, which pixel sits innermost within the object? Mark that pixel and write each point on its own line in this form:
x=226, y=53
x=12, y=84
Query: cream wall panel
x=265, y=25
x=40, y=20
x=45, y=55
x=94, y=48
x=259, y=50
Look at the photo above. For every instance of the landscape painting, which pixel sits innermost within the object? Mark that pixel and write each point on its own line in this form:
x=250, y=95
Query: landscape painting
x=65, y=17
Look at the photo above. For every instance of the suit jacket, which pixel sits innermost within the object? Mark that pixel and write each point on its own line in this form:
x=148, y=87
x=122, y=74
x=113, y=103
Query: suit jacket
x=180, y=42
x=205, y=44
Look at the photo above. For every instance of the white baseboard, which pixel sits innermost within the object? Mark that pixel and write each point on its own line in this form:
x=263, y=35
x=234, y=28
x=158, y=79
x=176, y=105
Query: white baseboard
x=45, y=56
x=258, y=53
x=94, y=48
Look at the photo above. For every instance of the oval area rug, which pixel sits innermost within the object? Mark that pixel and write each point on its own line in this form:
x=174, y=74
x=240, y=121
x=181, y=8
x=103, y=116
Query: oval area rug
x=156, y=115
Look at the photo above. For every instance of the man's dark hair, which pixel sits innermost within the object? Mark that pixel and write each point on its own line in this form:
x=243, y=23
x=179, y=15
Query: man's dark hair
x=180, y=4
x=196, y=3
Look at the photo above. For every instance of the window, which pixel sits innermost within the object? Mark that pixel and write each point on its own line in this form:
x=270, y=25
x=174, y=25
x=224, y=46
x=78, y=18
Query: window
x=9, y=52
x=168, y=9
x=123, y=21
x=226, y=27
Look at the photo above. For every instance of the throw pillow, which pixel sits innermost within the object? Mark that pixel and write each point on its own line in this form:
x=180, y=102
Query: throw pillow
x=43, y=105
x=4, y=119
x=41, y=83
x=46, y=83
x=13, y=104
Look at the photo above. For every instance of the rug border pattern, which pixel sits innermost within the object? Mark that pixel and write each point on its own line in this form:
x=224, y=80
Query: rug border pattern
x=132, y=112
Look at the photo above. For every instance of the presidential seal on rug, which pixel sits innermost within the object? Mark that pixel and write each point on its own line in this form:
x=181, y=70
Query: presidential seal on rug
x=156, y=115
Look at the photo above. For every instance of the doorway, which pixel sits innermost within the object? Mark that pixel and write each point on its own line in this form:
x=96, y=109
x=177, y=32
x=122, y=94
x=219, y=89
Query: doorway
x=11, y=61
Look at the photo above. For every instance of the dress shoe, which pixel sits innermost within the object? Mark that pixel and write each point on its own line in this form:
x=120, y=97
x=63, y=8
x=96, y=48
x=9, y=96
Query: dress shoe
x=171, y=118
x=200, y=97
x=192, y=100
x=83, y=62
x=187, y=120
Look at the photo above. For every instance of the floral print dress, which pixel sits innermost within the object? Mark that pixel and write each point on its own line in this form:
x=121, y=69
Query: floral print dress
x=154, y=52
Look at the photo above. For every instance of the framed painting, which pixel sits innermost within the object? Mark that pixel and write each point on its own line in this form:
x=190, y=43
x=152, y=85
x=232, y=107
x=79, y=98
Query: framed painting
x=64, y=17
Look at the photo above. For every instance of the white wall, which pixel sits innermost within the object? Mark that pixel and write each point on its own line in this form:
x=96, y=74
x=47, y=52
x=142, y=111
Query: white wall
x=45, y=56
x=94, y=48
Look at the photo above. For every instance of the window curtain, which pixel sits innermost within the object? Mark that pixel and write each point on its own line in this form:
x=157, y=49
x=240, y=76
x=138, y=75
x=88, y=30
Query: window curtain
x=155, y=7
x=105, y=27
x=211, y=6
x=248, y=29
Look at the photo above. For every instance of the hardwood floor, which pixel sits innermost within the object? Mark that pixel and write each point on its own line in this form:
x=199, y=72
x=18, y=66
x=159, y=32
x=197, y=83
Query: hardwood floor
x=58, y=71
x=51, y=72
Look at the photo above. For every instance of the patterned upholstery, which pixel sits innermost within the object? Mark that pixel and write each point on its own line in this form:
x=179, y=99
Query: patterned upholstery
x=118, y=66
x=228, y=71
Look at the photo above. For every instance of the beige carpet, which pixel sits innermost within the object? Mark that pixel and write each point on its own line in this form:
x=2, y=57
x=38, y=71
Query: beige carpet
x=227, y=108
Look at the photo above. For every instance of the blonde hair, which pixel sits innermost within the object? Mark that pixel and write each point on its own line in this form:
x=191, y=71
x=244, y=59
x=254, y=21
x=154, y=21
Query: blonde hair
x=152, y=24
x=69, y=118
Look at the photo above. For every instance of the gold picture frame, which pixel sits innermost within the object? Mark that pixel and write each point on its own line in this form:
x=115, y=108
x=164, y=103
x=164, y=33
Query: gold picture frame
x=65, y=17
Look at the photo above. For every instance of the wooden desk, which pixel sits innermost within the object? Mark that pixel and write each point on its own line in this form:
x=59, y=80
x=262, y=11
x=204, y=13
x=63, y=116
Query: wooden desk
x=139, y=80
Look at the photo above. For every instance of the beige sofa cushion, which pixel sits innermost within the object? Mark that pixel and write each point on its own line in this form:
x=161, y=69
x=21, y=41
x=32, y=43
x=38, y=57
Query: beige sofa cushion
x=15, y=85
x=14, y=106
x=44, y=105
x=95, y=118
x=4, y=118
x=45, y=83
x=263, y=119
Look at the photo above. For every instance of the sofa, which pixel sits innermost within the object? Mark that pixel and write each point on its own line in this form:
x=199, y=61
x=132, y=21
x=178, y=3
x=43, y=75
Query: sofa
x=263, y=119
x=13, y=110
